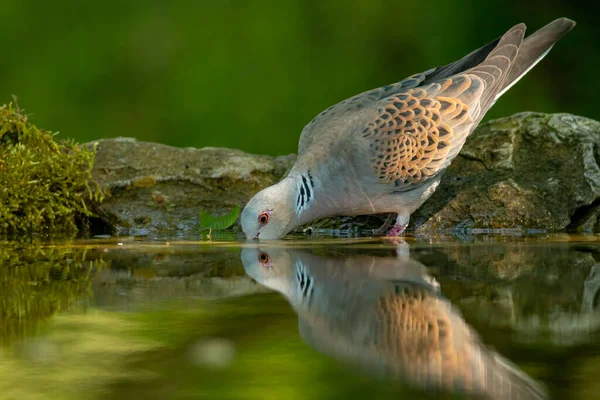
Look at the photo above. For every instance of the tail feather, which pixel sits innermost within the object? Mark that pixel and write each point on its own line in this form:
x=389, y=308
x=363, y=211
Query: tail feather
x=504, y=380
x=534, y=48
x=497, y=66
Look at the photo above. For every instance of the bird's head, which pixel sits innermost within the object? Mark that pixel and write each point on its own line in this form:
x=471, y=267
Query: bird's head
x=272, y=267
x=271, y=214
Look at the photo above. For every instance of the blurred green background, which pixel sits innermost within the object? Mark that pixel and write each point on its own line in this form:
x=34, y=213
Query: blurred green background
x=251, y=74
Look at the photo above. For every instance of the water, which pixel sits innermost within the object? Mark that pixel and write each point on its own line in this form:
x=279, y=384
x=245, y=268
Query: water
x=330, y=318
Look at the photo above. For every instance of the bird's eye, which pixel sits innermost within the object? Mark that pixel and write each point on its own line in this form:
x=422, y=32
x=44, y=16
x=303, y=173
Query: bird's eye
x=264, y=258
x=263, y=218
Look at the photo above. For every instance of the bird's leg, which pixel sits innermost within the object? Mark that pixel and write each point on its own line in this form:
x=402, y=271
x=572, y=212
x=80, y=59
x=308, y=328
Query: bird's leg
x=383, y=229
x=400, y=225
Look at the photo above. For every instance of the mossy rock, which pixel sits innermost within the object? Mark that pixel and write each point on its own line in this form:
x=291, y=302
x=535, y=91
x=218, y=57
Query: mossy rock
x=45, y=184
x=529, y=172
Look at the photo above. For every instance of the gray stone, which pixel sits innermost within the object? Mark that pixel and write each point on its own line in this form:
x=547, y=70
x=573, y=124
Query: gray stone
x=152, y=187
x=526, y=173
x=529, y=171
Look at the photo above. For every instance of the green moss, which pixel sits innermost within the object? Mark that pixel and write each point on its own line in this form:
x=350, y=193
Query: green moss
x=44, y=184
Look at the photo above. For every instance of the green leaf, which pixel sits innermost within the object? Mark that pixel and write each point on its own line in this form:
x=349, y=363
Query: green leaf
x=207, y=221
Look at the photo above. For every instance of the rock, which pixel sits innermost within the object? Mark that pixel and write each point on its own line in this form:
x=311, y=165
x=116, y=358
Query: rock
x=523, y=173
x=152, y=187
x=526, y=172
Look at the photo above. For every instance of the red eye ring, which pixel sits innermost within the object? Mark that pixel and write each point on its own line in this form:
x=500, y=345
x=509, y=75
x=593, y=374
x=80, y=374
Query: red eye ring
x=264, y=217
x=264, y=258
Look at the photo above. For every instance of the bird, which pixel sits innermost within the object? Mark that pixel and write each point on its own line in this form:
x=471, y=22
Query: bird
x=387, y=317
x=385, y=150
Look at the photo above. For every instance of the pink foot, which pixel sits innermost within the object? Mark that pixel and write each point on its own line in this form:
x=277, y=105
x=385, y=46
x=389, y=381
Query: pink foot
x=400, y=226
x=397, y=230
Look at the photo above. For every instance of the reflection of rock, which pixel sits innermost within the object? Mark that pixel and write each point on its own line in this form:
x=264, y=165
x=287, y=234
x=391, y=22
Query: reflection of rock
x=568, y=327
x=591, y=290
x=539, y=290
x=549, y=263
x=560, y=328
x=527, y=171
x=150, y=274
x=141, y=260
x=112, y=290
x=155, y=187
x=381, y=314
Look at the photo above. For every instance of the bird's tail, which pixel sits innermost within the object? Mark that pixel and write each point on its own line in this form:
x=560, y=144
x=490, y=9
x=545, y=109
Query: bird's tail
x=534, y=48
x=505, y=381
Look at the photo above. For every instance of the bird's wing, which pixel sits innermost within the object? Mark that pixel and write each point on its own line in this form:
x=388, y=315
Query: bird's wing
x=427, y=334
x=331, y=117
x=416, y=133
x=334, y=116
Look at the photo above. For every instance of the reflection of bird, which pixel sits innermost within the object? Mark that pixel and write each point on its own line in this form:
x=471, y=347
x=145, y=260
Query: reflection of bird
x=384, y=151
x=384, y=315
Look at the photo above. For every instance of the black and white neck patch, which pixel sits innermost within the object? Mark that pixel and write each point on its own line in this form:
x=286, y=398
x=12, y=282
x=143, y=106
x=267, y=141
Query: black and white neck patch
x=304, y=282
x=305, y=192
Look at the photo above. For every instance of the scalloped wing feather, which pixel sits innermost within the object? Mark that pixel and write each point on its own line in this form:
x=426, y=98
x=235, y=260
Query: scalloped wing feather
x=331, y=116
x=417, y=133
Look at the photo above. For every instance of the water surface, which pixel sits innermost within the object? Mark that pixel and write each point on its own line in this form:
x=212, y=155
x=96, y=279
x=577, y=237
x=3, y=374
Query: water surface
x=328, y=318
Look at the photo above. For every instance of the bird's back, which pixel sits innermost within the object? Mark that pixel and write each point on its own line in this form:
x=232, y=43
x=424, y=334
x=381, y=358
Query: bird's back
x=406, y=133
